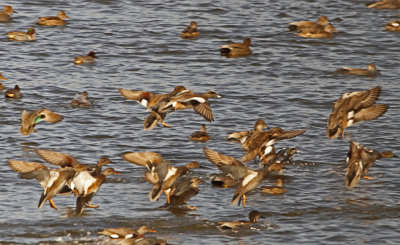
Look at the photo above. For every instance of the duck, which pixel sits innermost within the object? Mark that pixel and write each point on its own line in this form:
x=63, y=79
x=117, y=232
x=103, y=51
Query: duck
x=223, y=180
x=277, y=189
x=30, y=119
x=146, y=98
x=200, y=136
x=58, y=20
x=51, y=180
x=236, y=49
x=159, y=110
x=22, y=36
x=188, y=99
x=65, y=160
x=81, y=100
x=327, y=32
x=285, y=156
x=262, y=144
x=393, y=25
x=183, y=190
x=190, y=31
x=384, y=4
x=370, y=71
x=242, y=136
x=308, y=26
x=85, y=59
x=86, y=187
x=359, y=160
x=86, y=182
x=248, y=178
x=352, y=108
x=254, y=216
x=5, y=14
x=126, y=232
x=160, y=173
x=13, y=93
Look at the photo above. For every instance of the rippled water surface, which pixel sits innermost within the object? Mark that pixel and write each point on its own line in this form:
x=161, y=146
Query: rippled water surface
x=288, y=81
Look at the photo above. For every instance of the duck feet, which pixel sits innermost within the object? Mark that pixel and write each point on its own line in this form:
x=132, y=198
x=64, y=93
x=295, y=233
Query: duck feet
x=366, y=177
x=191, y=207
x=89, y=205
x=52, y=204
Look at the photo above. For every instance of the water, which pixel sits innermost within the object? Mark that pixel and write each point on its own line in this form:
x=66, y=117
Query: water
x=288, y=81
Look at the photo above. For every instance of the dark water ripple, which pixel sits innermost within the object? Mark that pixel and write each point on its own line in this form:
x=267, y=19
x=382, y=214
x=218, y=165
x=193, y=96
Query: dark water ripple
x=288, y=81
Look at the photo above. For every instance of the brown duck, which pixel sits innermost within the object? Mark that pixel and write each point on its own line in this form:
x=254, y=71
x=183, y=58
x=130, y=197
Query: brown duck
x=236, y=49
x=190, y=31
x=354, y=107
x=359, y=160
x=370, y=71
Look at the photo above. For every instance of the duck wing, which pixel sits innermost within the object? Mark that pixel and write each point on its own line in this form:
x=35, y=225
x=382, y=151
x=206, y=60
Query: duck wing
x=60, y=159
x=227, y=164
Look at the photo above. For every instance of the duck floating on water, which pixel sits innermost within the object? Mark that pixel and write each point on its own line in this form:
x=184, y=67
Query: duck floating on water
x=58, y=20
x=236, y=49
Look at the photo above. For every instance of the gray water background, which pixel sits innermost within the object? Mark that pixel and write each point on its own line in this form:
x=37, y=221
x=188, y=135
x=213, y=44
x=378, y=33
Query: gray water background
x=288, y=81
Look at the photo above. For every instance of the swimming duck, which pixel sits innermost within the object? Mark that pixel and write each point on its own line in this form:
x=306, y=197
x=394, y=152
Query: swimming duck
x=30, y=119
x=58, y=20
x=354, y=107
x=183, y=190
x=393, y=25
x=248, y=178
x=262, y=144
x=51, y=180
x=13, y=93
x=200, y=136
x=242, y=136
x=90, y=58
x=22, y=36
x=327, y=32
x=360, y=159
x=254, y=216
x=125, y=232
x=236, y=49
x=5, y=14
x=308, y=26
x=190, y=31
x=277, y=189
x=160, y=172
x=370, y=71
x=81, y=100
x=385, y=4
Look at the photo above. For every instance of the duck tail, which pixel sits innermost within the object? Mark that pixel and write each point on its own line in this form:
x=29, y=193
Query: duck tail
x=80, y=204
x=353, y=174
x=237, y=197
x=155, y=193
x=43, y=199
x=151, y=121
